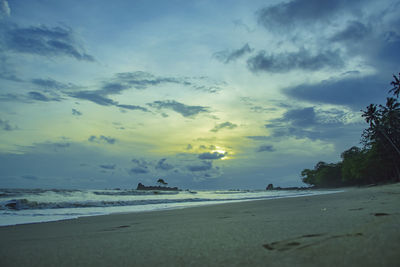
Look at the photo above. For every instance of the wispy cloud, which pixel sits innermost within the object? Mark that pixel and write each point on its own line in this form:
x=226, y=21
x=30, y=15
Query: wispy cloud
x=225, y=125
x=204, y=166
x=297, y=13
x=102, y=139
x=303, y=59
x=266, y=148
x=184, y=110
x=213, y=155
x=227, y=56
x=108, y=166
x=76, y=112
x=6, y=126
x=45, y=41
x=41, y=97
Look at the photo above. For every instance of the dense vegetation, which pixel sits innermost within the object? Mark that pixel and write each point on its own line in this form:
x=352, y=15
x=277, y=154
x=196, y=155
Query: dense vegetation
x=379, y=158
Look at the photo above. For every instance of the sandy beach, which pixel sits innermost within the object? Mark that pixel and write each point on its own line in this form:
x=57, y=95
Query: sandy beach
x=359, y=227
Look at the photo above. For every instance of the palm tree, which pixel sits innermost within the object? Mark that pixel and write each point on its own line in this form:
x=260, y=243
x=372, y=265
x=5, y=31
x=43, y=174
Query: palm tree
x=396, y=86
x=371, y=115
x=161, y=182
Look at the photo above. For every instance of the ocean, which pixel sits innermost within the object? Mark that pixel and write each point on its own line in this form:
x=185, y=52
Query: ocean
x=22, y=206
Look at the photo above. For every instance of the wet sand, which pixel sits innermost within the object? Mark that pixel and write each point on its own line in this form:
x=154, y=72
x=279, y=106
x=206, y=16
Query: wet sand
x=359, y=227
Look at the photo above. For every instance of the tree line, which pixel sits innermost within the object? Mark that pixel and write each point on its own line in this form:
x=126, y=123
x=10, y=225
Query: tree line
x=378, y=160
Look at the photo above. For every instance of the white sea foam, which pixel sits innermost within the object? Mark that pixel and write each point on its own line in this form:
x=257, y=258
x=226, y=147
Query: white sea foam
x=20, y=206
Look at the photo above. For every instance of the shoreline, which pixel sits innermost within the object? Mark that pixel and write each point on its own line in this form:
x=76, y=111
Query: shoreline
x=357, y=227
x=110, y=210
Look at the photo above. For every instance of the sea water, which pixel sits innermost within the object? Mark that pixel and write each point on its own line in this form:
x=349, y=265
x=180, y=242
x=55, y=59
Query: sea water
x=21, y=206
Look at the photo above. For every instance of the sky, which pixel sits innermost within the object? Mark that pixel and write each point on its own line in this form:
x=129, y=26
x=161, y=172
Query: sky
x=203, y=94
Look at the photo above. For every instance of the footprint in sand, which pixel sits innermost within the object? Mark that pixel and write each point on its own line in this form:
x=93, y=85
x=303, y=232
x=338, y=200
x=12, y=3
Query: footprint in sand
x=304, y=241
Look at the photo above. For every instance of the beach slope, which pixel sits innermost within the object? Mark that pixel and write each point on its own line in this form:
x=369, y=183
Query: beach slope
x=359, y=227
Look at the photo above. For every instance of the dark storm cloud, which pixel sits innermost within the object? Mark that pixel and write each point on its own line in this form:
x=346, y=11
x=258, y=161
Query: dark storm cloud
x=44, y=41
x=162, y=165
x=184, y=110
x=355, y=31
x=355, y=92
x=268, y=148
x=227, y=56
x=211, y=156
x=204, y=166
x=108, y=166
x=310, y=123
x=76, y=112
x=303, y=59
x=6, y=126
x=301, y=117
x=299, y=12
x=224, y=125
x=102, y=139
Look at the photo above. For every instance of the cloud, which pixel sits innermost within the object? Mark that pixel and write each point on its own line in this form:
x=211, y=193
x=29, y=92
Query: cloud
x=214, y=155
x=132, y=107
x=162, y=165
x=227, y=56
x=142, y=80
x=108, y=166
x=355, y=92
x=7, y=70
x=51, y=84
x=76, y=112
x=258, y=137
x=6, y=126
x=224, y=125
x=303, y=59
x=94, y=97
x=97, y=97
x=102, y=139
x=297, y=13
x=355, y=31
x=268, y=148
x=41, y=97
x=4, y=8
x=45, y=41
x=312, y=124
x=204, y=166
x=61, y=145
x=302, y=117
x=184, y=110
x=138, y=170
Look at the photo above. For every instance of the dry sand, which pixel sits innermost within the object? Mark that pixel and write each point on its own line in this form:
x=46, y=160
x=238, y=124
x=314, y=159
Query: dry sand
x=360, y=227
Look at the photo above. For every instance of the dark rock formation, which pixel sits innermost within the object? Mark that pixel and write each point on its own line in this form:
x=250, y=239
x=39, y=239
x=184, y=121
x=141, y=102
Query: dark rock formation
x=270, y=187
x=140, y=186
